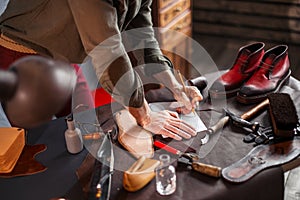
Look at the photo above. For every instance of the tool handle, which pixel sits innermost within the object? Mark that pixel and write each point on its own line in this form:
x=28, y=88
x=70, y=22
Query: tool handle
x=253, y=126
x=238, y=121
x=210, y=170
x=255, y=110
x=220, y=124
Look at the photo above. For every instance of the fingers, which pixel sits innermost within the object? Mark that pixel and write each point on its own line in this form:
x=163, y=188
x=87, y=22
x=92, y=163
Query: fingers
x=173, y=114
x=183, y=110
x=167, y=123
x=186, y=127
x=170, y=134
x=181, y=128
x=186, y=101
x=178, y=129
x=178, y=119
x=191, y=96
x=195, y=95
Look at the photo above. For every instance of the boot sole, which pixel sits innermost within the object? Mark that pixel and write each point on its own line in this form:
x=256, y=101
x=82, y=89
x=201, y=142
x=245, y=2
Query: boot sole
x=259, y=98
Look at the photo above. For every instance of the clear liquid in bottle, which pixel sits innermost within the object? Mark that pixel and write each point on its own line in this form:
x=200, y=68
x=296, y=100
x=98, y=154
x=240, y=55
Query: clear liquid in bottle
x=165, y=176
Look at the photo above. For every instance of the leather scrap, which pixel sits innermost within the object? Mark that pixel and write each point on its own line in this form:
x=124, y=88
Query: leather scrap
x=132, y=137
x=26, y=164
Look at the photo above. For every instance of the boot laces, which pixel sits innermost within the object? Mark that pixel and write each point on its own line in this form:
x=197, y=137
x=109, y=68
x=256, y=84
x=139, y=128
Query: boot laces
x=243, y=64
x=267, y=67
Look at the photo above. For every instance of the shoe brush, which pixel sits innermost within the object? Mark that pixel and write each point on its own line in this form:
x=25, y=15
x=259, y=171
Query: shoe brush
x=283, y=114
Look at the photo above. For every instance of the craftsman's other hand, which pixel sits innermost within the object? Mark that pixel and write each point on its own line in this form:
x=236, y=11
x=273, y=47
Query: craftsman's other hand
x=188, y=97
x=167, y=123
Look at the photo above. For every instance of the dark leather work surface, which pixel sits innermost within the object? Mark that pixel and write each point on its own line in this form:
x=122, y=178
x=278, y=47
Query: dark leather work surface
x=268, y=184
x=60, y=180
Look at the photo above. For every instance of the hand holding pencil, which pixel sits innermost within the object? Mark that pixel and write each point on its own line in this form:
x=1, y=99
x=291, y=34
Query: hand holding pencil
x=190, y=98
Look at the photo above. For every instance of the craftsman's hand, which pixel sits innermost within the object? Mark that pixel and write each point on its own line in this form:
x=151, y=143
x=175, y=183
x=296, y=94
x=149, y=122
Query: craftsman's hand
x=188, y=97
x=167, y=123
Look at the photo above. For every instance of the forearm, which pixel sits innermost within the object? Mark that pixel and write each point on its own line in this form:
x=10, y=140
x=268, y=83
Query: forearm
x=168, y=79
x=141, y=114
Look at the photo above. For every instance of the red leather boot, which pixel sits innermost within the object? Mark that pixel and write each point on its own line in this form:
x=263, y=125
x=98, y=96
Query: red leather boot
x=271, y=75
x=246, y=63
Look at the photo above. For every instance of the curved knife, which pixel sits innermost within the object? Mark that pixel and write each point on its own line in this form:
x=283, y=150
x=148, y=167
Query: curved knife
x=212, y=136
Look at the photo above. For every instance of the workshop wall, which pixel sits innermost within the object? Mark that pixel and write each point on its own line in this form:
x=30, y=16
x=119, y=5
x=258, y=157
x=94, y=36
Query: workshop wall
x=232, y=23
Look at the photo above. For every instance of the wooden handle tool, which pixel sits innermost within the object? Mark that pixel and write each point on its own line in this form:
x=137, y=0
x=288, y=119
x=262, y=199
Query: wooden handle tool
x=203, y=168
x=207, y=169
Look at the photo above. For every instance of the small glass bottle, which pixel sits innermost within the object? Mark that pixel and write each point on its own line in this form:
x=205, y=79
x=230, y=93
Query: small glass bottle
x=73, y=137
x=165, y=176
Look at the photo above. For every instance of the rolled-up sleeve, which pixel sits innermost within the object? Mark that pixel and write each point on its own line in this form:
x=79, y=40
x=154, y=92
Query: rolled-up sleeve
x=97, y=25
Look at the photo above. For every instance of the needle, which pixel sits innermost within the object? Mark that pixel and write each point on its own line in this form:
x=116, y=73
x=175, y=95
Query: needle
x=183, y=85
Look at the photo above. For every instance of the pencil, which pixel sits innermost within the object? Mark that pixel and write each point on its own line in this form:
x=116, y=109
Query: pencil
x=183, y=85
x=181, y=80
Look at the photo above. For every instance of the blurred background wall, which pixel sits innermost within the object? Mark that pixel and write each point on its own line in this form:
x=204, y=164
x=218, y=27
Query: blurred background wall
x=223, y=26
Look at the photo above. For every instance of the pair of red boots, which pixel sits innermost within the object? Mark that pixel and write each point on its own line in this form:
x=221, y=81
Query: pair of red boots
x=254, y=74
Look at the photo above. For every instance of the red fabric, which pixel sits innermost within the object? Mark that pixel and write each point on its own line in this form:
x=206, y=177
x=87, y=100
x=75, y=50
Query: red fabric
x=7, y=57
x=101, y=97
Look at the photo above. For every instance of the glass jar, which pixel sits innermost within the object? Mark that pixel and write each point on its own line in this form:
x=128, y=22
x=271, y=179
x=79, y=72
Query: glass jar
x=165, y=176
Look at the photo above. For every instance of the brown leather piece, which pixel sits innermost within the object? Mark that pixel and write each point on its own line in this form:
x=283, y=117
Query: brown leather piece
x=260, y=158
x=27, y=165
x=133, y=138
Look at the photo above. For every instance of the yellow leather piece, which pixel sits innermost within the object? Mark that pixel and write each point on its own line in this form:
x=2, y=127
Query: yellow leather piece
x=139, y=174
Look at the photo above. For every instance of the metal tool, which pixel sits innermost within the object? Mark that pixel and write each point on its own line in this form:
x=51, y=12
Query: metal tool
x=204, y=136
x=211, y=137
x=261, y=136
x=214, y=133
x=101, y=181
x=242, y=123
x=191, y=159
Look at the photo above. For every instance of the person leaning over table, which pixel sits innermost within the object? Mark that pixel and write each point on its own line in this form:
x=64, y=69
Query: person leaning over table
x=72, y=29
